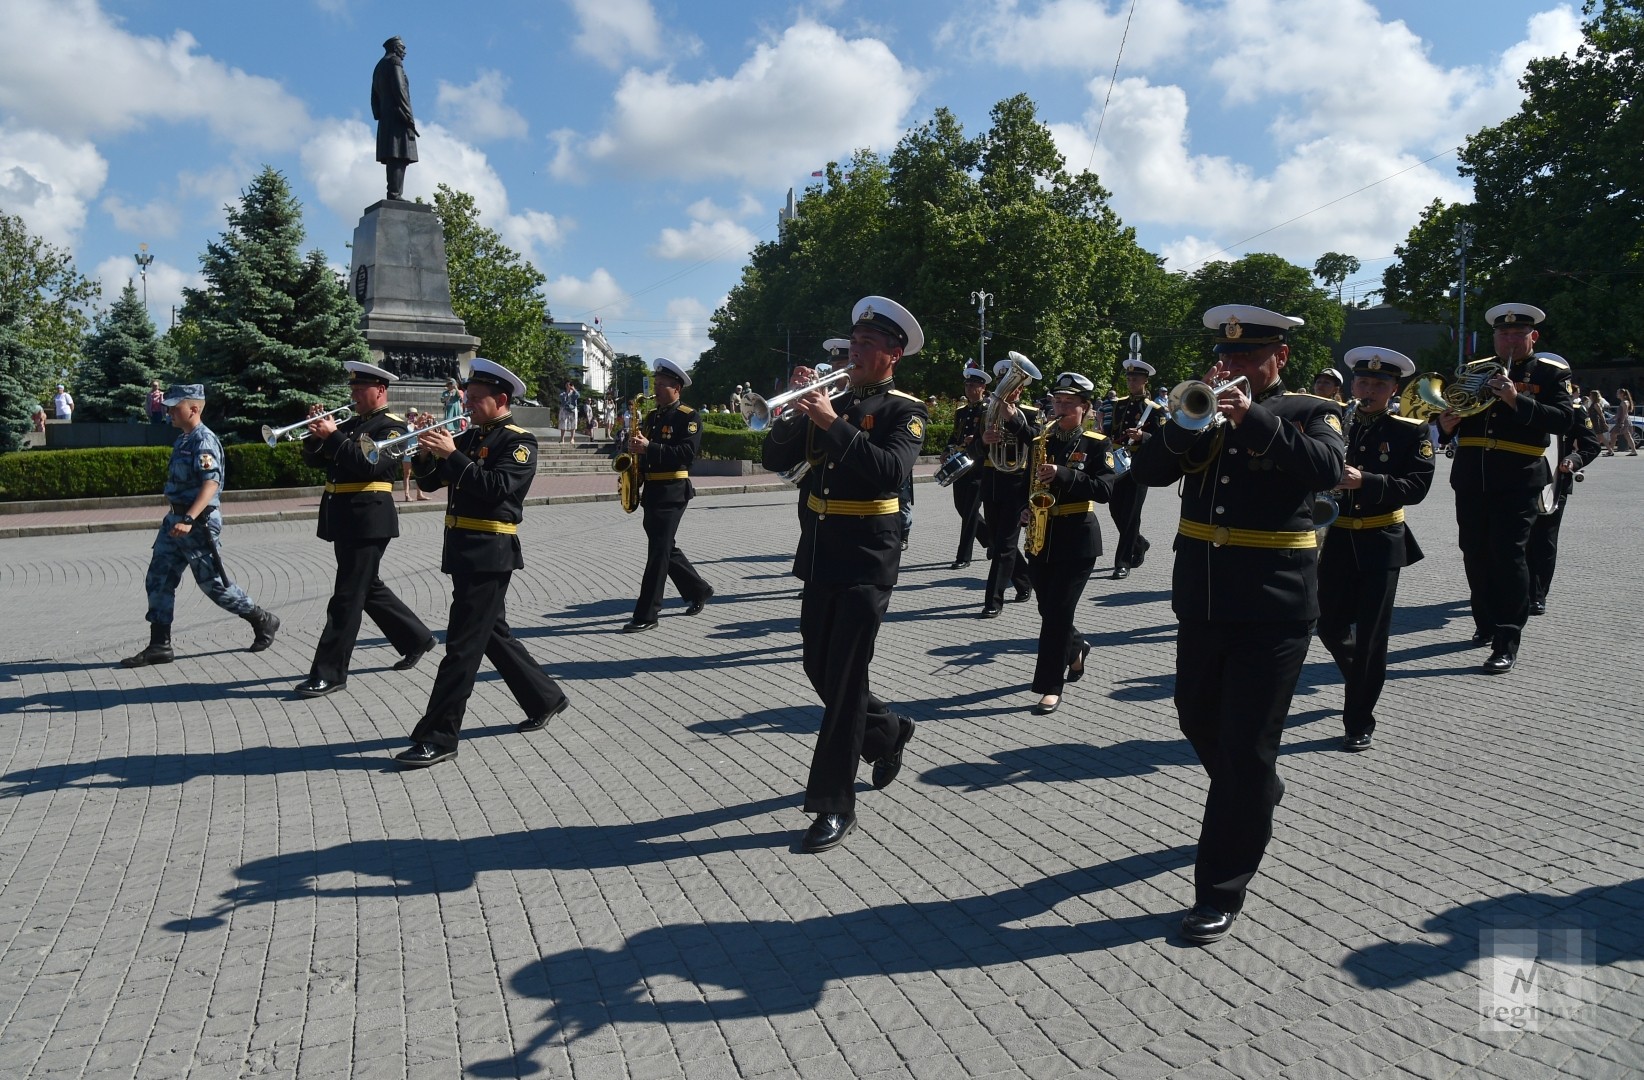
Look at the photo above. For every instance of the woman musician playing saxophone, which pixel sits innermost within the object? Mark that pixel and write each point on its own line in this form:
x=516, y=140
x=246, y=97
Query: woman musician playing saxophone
x=1072, y=472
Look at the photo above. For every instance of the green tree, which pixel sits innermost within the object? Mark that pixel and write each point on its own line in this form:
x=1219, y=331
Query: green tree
x=274, y=326
x=1558, y=201
x=498, y=295
x=1333, y=268
x=50, y=298
x=1271, y=282
x=16, y=382
x=123, y=355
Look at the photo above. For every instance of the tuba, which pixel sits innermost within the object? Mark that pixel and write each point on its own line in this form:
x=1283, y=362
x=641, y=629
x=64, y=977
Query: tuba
x=626, y=464
x=1040, y=500
x=1464, y=393
x=1020, y=374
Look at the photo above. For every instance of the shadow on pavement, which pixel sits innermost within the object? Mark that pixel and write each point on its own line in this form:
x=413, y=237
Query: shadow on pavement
x=1059, y=762
x=736, y=970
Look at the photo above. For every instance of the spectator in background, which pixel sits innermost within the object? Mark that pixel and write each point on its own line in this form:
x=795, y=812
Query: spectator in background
x=156, y=404
x=63, y=402
x=39, y=417
x=1621, y=432
x=569, y=399
x=452, y=400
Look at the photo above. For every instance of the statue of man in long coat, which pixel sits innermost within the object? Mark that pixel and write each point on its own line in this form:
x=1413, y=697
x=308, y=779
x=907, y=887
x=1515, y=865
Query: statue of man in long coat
x=391, y=106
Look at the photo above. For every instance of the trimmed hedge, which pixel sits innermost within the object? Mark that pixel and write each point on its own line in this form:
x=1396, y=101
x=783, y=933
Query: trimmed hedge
x=113, y=471
x=726, y=420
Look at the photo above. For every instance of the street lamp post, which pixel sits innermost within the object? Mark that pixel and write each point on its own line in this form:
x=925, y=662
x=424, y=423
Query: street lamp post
x=981, y=299
x=1464, y=240
x=143, y=260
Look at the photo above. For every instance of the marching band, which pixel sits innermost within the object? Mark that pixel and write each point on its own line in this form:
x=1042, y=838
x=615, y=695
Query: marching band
x=1292, y=523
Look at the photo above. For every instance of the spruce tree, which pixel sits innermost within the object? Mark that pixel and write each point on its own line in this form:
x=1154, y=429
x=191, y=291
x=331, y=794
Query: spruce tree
x=123, y=355
x=274, y=327
x=18, y=395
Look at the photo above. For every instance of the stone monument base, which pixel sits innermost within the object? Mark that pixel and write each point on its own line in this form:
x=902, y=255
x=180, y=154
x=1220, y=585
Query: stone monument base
x=399, y=276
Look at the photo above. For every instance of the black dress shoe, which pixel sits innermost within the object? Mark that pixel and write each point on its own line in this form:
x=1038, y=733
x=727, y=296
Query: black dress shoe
x=959, y=564
x=1023, y=594
x=1481, y=637
x=1538, y=607
x=537, y=723
x=695, y=606
x=423, y=754
x=319, y=687
x=827, y=831
x=886, y=768
x=634, y=626
x=992, y=611
x=1356, y=743
x=1042, y=709
x=1500, y=663
x=1120, y=573
x=409, y=660
x=904, y=543
x=1139, y=558
x=1205, y=924
x=1076, y=670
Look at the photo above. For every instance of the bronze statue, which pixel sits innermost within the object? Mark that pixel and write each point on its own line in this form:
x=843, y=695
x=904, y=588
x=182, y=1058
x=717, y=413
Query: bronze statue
x=391, y=106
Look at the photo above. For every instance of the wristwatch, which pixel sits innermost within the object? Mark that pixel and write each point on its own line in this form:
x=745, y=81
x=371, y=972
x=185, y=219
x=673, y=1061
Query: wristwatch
x=186, y=519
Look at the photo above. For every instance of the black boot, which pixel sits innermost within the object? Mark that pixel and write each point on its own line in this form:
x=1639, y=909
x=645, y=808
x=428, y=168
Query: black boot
x=265, y=624
x=158, y=651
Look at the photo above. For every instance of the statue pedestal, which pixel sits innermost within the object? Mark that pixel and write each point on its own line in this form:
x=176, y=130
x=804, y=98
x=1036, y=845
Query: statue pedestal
x=400, y=278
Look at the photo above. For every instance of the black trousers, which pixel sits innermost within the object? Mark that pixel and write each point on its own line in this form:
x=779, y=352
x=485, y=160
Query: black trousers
x=1494, y=535
x=839, y=625
x=1355, y=618
x=664, y=562
x=1058, y=587
x=1125, y=507
x=478, y=629
x=973, y=526
x=1541, y=554
x=1004, y=501
x=1234, y=682
x=359, y=591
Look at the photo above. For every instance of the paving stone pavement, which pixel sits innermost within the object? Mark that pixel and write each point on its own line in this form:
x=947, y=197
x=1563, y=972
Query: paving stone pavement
x=202, y=876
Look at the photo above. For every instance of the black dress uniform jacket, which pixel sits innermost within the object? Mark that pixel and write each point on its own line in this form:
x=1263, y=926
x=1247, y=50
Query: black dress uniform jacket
x=346, y=511
x=1395, y=457
x=1084, y=477
x=967, y=431
x=864, y=458
x=488, y=474
x=1259, y=476
x=675, y=435
x=1128, y=414
x=1500, y=449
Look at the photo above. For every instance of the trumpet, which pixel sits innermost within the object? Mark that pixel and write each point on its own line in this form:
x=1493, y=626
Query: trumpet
x=1192, y=403
x=758, y=410
x=273, y=435
x=402, y=445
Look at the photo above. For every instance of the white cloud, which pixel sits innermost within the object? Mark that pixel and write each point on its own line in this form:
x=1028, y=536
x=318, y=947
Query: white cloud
x=1080, y=35
x=156, y=218
x=687, y=338
x=48, y=181
x=478, y=111
x=717, y=239
x=165, y=285
x=610, y=31
x=807, y=96
x=577, y=298
x=65, y=66
x=338, y=161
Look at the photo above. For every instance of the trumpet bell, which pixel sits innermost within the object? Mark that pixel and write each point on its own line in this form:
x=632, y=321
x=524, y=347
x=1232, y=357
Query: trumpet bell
x=271, y=436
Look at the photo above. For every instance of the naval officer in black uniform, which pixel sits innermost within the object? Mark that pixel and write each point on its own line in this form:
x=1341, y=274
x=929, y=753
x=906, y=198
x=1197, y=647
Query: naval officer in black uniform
x=1577, y=449
x=861, y=445
x=1499, y=471
x=1004, y=489
x=1389, y=467
x=1244, y=588
x=488, y=468
x=1135, y=420
x=967, y=490
x=1076, y=472
x=668, y=440
x=358, y=517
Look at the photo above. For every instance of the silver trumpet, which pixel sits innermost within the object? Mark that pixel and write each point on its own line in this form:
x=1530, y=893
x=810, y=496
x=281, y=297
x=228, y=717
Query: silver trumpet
x=758, y=410
x=273, y=435
x=1192, y=404
x=402, y=445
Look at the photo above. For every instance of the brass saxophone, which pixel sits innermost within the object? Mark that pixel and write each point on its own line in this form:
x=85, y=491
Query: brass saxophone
x=626, y=464
x=1040, y=500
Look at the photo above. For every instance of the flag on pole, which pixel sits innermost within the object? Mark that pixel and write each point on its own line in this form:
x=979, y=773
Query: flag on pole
x=817, y=173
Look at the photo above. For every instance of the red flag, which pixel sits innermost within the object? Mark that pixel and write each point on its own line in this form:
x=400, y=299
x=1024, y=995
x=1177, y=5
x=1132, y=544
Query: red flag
x=817, y=173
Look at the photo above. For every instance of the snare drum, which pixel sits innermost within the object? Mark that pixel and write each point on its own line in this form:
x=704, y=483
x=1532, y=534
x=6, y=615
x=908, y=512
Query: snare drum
x=958, y=464
x=1121, y=461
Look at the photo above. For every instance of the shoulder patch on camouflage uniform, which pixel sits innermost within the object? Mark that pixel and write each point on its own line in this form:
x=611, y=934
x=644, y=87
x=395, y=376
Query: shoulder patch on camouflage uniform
x=522, y=453
x=207, y=462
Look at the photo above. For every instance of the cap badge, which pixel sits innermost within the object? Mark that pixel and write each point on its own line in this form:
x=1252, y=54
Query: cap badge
x=1375, y=363
x=867, y=313
x=1231, y=329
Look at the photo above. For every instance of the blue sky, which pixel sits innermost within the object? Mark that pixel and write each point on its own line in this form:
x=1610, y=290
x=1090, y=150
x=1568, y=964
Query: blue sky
x=636, y=150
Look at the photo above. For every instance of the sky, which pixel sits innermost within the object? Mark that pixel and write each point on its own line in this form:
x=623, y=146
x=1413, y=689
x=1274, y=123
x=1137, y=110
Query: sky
x=636, y=150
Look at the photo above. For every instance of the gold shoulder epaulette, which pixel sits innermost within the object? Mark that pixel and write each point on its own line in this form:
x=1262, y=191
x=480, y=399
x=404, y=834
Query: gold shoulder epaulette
x=1408, y=419
x=1560, y=365
x=1097, y=435
x=684, y=408
x=396, y=419
x=521, y=430
x=1315, y=397
x=910, y=397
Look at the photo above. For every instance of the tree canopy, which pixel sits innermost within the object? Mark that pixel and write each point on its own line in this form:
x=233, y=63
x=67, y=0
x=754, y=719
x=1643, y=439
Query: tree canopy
x=274, y=326
x=1558, y=201
x=47, y=299
x=123, y=355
